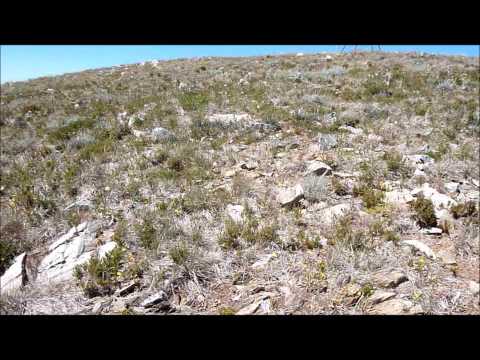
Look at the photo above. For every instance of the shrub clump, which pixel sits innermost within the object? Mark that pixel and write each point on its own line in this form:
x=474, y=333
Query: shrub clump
x=100, y=277
x=424, y=212
x=464, y=210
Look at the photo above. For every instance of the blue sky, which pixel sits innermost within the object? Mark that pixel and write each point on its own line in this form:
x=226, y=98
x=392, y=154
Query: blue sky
x=27, y=62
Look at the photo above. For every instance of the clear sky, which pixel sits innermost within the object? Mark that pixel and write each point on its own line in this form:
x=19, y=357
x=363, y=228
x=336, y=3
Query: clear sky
x=27, y=62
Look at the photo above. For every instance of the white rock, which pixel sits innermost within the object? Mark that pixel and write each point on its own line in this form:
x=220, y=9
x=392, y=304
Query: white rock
x=418, y=159
x=15, y=276
x=255, y=305
x=331, y=214
x=447, y=256
x=263, y=261
x=396, y=307
x=418, y=245
x=343, y=175
x=230, y=173
x=352, y=130
x=288, y=197
x=475, y=182
x=70, y=250
x=419, y=172
x=68, y=236
x=160, y=134
x=439, y=201
x=432, y=231
x=318, y=168
x=452, y=187
x=453, y=147
x=154, y=299
x=106, y=248
x=229, y=119
x=474, y=287
x=398, y=197
x=235, y=212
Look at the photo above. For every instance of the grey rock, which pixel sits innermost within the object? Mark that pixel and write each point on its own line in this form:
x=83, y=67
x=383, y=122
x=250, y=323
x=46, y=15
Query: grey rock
x=432, y=231
x=352, y=130
x=235, y=212
x=74, y=248
x=389, y=278
x=154, y=299
x=421, y=247
x=327, y=141
x=396, y=307
x=331, y=214
x=398, y=197
x=100, y=306
x=160, y=134
x=127, y=289
x=314, y=99
x=249, y=165
x=15, y=277
x=318, y=168
x=474, y=287
x=288, y=197
x=106, y=248
x=452, y=187
x=380, y=296
x=264, y=260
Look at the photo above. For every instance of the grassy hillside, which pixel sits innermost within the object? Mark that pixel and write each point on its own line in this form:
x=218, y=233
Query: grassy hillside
x=82, y=147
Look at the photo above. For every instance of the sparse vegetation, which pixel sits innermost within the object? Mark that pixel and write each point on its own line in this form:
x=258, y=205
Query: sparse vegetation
x=154, y=153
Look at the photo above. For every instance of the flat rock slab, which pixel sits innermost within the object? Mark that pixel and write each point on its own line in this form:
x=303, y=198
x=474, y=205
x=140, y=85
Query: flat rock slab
x=331, y=214
x=235, y=212
x=390, y=278
x=289, y=197
x=474, y=287
x=74, y=248
x=127, y=289
x=421, y=247
x=154, y=299
x=318, y=168
x=398, y=197
x=432, y=231
x=15, y=276
x=396, y=307
x=264, y=260
x=380, y=296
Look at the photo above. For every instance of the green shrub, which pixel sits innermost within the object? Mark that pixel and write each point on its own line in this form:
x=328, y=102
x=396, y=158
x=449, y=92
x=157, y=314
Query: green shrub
x=424, y=212
x=193, y=100
x=179, y=253
x=66, y=132
x=228, y=239
x=226, y=311
x=99, y=277
x=371, y=198
x=466, y=209
x=147, y=234
x=394, y=161
x=345, y=236
x=339, y=187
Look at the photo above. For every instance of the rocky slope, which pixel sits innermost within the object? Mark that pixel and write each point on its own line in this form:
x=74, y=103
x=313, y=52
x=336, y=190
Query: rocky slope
x=297, y=184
